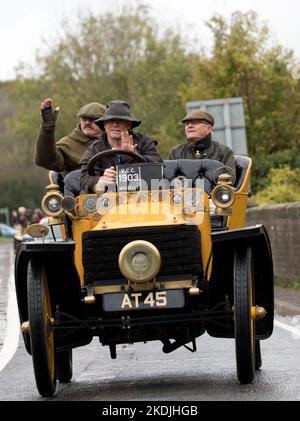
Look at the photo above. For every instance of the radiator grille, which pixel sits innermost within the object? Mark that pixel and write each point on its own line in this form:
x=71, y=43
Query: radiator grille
x=179, y=246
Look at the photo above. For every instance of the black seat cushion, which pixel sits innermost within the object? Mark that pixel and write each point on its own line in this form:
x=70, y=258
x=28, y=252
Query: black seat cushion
x=194, y=169
x=72, y=183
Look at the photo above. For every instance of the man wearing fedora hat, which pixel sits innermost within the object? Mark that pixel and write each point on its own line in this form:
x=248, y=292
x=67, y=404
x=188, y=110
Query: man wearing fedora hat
x=198, y=128
x=64, y=156
x=117, y=124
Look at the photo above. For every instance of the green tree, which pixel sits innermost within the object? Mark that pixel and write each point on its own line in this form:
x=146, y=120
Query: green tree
x=22, y=183
x=283, y=187
x=264, y=163
x=125, y=56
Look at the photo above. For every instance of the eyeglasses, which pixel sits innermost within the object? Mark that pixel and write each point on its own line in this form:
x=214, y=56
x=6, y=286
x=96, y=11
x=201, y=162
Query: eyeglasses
x=196, y=122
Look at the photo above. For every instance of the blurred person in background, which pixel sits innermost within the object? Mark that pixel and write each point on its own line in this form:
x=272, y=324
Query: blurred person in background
x=37, y=216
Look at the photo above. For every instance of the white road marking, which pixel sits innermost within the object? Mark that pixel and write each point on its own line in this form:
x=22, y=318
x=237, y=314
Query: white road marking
x=294, y=330
x=11, y=340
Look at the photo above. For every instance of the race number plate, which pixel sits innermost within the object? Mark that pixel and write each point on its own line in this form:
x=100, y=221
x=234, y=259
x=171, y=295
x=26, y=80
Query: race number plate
x=143, y=300
x=139, y=177
x=129, y=179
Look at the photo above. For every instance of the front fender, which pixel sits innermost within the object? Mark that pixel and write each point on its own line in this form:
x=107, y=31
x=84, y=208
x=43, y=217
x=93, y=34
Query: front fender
x=63, y=279
x=221, y=283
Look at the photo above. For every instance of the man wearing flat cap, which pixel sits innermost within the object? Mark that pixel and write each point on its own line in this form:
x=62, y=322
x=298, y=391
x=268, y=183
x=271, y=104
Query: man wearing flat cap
x=64, y=156
x=198, y=128
x=117, y=124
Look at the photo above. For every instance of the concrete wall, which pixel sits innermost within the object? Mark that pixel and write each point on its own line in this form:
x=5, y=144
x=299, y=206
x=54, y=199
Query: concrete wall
x=283, y=225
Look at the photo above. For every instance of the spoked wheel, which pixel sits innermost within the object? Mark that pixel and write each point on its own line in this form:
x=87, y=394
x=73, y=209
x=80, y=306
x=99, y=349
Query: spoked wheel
x=64, y=366
x=244, y=323
x=41, y=332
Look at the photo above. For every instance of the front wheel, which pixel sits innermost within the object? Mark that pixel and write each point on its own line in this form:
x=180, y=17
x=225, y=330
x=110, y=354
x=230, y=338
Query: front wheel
x=41, y=330
x=244, y=323
x=64, y=366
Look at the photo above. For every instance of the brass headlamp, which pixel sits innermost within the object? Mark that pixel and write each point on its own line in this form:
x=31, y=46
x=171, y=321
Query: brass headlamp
x=139, y=261
x=52, y=201
x=223, y=194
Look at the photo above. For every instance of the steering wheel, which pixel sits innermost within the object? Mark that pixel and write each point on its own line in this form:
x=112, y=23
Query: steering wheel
x=111, y=152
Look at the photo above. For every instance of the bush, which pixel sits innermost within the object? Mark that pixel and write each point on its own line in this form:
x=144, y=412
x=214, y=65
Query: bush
x=284, y=186
x=262, y=165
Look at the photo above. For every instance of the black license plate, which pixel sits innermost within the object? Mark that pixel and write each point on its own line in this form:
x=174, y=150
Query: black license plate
x=129, y=179
x=143, y=300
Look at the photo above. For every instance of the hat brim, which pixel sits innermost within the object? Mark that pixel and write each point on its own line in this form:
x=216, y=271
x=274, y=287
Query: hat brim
x=134, y=121
x=90, y=117
x=199, y=119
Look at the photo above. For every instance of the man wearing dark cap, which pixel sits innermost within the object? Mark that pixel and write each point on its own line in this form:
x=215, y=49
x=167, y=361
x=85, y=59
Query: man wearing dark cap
x=198, y=128
x=117, y=124
x=64, y=156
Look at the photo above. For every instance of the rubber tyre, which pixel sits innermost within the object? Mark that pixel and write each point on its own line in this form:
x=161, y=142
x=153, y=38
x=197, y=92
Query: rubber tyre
x=244, y=324
x=258, y=359
x=41, y=335
x=64, y=362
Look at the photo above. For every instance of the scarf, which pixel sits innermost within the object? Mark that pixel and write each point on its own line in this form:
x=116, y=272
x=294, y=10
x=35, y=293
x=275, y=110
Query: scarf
x=200, y=145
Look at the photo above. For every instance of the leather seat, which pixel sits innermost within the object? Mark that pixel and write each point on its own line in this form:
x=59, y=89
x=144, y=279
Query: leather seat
x=72, y=183
x=193, y=169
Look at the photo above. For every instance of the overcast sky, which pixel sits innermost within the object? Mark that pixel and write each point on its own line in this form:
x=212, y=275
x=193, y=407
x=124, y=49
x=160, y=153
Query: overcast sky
x=23, y=23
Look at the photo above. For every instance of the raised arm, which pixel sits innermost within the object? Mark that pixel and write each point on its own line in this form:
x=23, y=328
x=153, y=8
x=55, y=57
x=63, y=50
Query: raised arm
x=47, y=154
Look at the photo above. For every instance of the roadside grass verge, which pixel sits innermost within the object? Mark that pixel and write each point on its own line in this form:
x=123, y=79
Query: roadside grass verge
x=287, y=283
x=5, y=240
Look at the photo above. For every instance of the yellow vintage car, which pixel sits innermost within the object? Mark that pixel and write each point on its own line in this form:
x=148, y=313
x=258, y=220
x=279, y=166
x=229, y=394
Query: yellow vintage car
x=165, y=254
